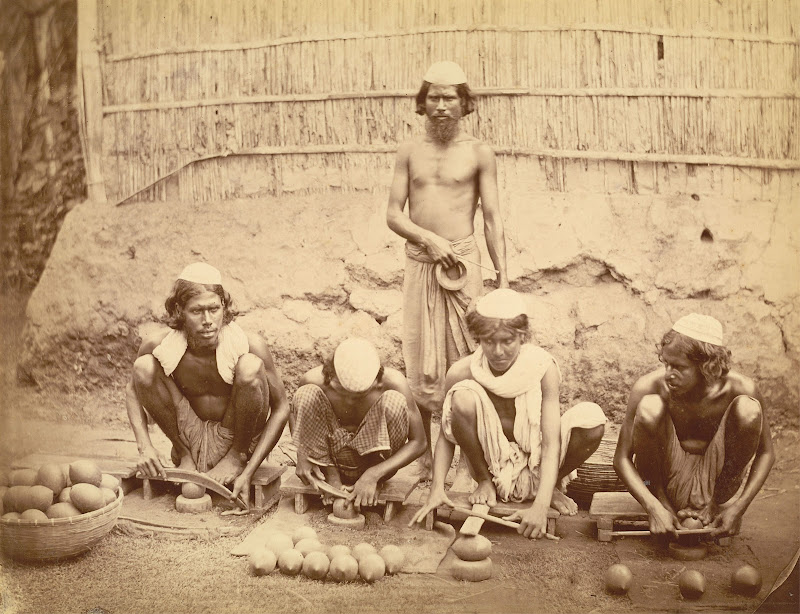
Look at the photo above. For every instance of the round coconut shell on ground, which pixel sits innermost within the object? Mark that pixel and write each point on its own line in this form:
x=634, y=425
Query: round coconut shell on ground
x=342, y=508
x=692, y=584
x=746, y=581
x=618, y=579
x=344, y=568
x=301, y=533
x=338, y=550
x=371, y=567
x=308, y=545
x=278, y=542
x=190, y=490
x=363, y=549
x=315, y=565
x=393, y=557
x=262, y=562
x=290, y=562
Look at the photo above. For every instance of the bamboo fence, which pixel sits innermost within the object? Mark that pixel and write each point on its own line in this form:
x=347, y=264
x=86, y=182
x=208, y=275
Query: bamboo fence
x=214, y=99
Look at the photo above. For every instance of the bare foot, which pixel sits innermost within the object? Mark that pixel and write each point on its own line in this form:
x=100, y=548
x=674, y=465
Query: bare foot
x=425, y=466
x=563, y=504
x=484, y=494
x=228, y=469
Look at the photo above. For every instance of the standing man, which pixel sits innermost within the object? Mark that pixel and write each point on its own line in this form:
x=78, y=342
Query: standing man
x=211, y=387
x=690, y=432
x=443, y=175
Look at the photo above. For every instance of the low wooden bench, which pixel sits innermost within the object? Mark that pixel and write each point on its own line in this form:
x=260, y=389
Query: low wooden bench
x=608, y=508
x=391, y=494
x=461, y=499
x=266, y=485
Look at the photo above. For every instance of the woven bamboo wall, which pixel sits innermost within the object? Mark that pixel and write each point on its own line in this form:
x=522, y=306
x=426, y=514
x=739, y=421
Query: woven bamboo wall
x=316, y=94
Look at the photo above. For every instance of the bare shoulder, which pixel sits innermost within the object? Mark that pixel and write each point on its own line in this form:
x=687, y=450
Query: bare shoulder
x=458, y=371
x=394, y=380
x=312, y=376
x=152, y=341
x=258, y=345
x=741, y=384
x=650, y=383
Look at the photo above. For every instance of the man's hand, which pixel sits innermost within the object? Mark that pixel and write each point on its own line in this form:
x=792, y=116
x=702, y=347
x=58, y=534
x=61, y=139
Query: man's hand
x=151, y=463
x=241, y=486
x=365, y=490
x=441, y=251
x=435, y=499
x=663, y=521
x=727, y=522
x=532, y=521
x=305, y=469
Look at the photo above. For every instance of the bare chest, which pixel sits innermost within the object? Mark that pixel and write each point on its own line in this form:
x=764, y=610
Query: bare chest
x=452, y=166
x=507, y=412
x=696, y=424
x=351, y=412
x=197, y=376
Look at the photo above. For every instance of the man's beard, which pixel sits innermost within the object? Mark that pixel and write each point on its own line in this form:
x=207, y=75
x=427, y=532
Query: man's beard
x=442, y=130
x=196, y=342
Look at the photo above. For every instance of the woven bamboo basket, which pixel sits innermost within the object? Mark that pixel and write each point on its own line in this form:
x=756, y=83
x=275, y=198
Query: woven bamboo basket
x=57, y=538
x=596, y=475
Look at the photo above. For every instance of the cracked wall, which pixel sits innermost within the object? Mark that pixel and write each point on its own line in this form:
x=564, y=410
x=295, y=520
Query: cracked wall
x=604, y=275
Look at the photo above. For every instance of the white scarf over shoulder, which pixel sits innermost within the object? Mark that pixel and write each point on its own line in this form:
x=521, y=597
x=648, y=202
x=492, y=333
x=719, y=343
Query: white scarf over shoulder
x=232, y=343
x=523, y=382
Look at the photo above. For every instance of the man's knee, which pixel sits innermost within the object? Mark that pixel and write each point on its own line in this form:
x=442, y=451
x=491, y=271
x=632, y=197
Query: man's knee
x=146, y=370
x=463, y=404
x=307, y=397
x=649, y=414
x=248, y=370
x=395, y=405
x=745, y=412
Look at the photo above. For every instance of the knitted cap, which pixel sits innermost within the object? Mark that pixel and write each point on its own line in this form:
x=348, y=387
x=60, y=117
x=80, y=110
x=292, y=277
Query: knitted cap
x=445, y=73
x=700, y=327
x=502, y=304
x=356, y=362
x=201, y=273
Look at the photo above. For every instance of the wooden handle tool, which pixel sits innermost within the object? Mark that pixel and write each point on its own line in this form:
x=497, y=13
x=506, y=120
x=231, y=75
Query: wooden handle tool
x=327, y=488
x=500, y=521
x=203, y=480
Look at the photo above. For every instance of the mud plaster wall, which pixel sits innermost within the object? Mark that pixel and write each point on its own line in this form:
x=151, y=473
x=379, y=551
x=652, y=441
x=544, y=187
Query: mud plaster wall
x=605, y=272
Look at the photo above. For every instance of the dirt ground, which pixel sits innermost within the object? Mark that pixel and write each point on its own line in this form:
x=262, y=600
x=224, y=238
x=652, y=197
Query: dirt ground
x=148, y=572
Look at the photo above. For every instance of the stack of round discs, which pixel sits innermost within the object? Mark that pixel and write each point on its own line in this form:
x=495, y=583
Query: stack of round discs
x=473, y=562
x=345, y=514
x=193, y=499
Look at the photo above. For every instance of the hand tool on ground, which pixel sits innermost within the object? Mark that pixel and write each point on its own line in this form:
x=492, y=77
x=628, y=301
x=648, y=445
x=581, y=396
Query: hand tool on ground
x=203, y=480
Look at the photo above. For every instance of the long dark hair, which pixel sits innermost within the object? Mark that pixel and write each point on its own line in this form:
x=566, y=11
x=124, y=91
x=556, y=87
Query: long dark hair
x=714, y=361
x=464, y=94
x=183, y=291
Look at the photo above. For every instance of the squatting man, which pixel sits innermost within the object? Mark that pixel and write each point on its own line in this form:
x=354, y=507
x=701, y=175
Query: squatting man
x=211, y=387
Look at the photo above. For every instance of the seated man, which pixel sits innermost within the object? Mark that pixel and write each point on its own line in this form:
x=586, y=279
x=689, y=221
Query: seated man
x=690, y=431
x=502, y=408
x=212, y=388
x=355, y=422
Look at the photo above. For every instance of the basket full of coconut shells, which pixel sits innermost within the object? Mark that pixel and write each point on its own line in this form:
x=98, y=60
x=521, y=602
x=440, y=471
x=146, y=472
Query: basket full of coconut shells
x=57, y=511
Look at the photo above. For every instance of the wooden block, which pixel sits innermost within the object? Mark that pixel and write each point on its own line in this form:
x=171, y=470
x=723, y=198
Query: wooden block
x=300, y=503
x=266, y=495
x=473, y=524
x=616, y=506
x=390, y=511
x=147, y=489
x=430, y=520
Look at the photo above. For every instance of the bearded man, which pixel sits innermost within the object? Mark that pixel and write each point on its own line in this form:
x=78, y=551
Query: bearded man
x=211, y=387
x=443, y=176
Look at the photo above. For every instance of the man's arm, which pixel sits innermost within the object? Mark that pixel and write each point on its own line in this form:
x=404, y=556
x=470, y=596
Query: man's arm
x=662, y=520
x=365, y=488
x=729, y=519
x=533, y=521
x=492, y=219
x=437, y=247
x=278, y=414
x=150, y=461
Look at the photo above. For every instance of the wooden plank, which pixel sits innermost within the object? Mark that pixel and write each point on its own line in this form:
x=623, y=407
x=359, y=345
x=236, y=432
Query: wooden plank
x=616, y=506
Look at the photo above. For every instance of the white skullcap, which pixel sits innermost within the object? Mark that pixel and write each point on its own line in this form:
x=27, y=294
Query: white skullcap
x=501, y=304
x=201, y=273
x=700, y=327
x=356, y=362
x=445, y=73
